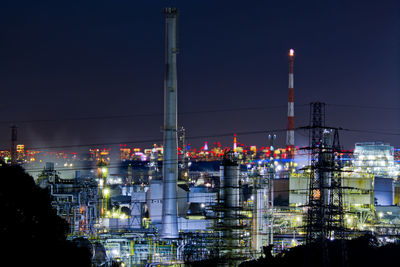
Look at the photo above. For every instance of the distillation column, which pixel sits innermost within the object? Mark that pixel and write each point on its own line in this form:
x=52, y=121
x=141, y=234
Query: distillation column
x=170, y=160
x=229, y=196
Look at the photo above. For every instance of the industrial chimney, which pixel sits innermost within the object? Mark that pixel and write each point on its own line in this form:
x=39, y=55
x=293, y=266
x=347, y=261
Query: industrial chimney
x=13, y=149
x=170, y=161
x=290, y=122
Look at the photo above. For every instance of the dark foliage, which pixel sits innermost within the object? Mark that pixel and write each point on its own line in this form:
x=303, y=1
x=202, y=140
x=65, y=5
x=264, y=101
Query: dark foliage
x=31, y=233
x=363, y=251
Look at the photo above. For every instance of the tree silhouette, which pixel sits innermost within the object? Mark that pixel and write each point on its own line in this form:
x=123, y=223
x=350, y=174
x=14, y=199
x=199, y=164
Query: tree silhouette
x=362, y=251
x=31, y=232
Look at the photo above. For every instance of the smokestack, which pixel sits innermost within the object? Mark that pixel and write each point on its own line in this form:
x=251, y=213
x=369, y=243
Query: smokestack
x=170, y=160
x=290, y=122
x=13, y=149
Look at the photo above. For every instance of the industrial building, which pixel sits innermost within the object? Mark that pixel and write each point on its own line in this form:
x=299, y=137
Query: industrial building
x=74, y=199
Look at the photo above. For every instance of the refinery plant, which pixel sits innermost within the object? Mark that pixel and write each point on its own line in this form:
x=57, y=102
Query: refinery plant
x=171, y=204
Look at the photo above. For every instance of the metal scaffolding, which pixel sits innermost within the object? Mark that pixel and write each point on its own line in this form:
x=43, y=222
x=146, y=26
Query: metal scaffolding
x=230, y=222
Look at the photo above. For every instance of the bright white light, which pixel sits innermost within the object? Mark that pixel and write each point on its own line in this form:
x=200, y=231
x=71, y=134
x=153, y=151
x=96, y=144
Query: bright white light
x=291, y=52
x=114, y=252
x=202, y=205
x=106, y=192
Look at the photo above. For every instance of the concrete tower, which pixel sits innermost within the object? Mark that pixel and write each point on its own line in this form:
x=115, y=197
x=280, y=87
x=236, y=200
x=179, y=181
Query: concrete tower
x=170, y=161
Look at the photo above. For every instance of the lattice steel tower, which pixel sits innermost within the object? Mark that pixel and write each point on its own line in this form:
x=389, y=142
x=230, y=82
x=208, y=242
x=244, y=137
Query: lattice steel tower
x=325, y=209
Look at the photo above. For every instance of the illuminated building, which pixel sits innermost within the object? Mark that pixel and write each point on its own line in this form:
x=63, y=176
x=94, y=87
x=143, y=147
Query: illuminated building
x=102, y=154
x=31, y=155
x=73, y=199
x=20, y=153
x=376, y=158
x=125, y=153
x=5, y=155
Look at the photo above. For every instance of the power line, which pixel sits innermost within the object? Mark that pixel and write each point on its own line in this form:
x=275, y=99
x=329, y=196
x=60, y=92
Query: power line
x=145, y=115
x=371, y=132
x=159, y=139
x=363, y=107
x=155, y=140
x=184, y=113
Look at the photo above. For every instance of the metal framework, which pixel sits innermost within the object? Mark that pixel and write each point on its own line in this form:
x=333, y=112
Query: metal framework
x=325, y=200
x=230, y=222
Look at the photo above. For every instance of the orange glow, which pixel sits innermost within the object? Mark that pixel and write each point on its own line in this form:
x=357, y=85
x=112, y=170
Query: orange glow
x=291, y=52
x=316, y=194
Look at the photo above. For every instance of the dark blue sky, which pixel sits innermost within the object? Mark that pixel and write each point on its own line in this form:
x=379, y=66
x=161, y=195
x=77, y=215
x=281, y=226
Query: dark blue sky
x=68, y=59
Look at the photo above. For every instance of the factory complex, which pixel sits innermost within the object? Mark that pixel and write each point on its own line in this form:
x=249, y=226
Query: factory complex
x=172, y=204
x=229, y=203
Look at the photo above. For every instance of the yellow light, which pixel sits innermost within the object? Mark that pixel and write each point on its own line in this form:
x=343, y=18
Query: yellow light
x=291, y=52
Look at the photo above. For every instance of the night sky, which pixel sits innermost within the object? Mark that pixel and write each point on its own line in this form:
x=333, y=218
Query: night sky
x=72, y=59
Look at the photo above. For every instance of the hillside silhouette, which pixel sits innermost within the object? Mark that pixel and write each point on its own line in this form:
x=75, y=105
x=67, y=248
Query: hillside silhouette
x=31, y=232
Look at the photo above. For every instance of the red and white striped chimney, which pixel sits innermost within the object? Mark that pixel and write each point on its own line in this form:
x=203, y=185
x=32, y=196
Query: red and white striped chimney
x=290, y=122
